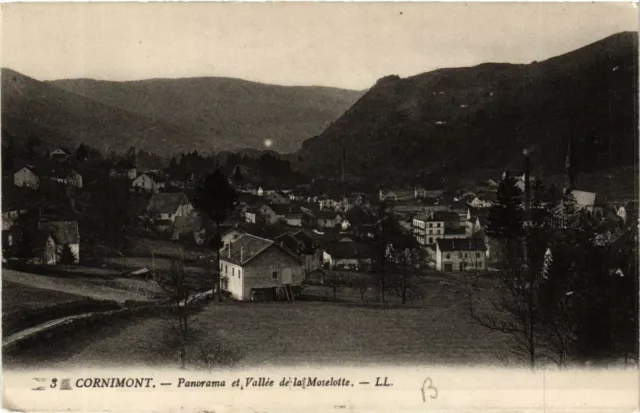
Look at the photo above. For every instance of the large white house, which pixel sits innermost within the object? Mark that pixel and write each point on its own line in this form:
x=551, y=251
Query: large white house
x=463, y=254
x=254, y=268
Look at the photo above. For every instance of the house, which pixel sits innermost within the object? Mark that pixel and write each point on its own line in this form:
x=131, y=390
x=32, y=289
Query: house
x=324, y=202
x=461, y=208
x=251, y=215
x=291, y=214
x=59, y=155
x=589, y=201
x=465, y=254
x=167, y=206
x=454, y=233
x=484, y=200
x=26, y=177
x=268, y=214
x=328, y=219
x=63, y=175
x=420, y=192
x=190, y=227
x=628, y=211
x=124, y=169
x=251, y=266
x=388, y=196
x=148, y=182
x=427, y=227
x=347, y=255
x=304, y=247
x=52, y=236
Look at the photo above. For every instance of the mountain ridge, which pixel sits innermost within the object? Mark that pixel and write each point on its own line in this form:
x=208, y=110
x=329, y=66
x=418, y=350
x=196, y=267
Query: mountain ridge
x=456, y=120
x=167, y=116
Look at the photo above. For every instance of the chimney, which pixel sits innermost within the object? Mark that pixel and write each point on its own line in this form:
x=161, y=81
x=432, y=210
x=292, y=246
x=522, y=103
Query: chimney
x=527, y=181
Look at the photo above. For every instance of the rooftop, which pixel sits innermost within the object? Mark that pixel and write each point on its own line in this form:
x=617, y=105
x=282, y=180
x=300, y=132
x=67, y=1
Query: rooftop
x=461, y=244
x=247, y=247
x=166, y=203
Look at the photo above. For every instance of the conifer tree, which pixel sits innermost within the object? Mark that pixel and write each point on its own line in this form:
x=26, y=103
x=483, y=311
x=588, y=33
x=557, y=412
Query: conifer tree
x=216, y=198
x=505, y=215
x=66, y=255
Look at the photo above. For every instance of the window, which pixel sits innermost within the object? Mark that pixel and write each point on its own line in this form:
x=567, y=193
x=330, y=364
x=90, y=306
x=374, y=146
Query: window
x=439, y=225
x=226, y=269
x=447, y=256
x=464, y=255
x=477, y=255
x=429, y=240
x=239, y=273
x=233, y=271
x=274, y=275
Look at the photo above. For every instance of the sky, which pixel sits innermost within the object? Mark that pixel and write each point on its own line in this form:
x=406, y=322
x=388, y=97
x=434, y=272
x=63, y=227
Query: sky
x=348, y=45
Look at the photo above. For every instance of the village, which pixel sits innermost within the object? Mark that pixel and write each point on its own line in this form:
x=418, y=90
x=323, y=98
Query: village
x=109, y=229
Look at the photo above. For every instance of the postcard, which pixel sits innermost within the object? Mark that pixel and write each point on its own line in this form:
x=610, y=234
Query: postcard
x=320, y=206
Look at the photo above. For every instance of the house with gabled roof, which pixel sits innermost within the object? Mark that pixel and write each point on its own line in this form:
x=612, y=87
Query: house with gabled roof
x=148, y=182
x=60, y=154
x=254, y=268
x=167, y=206
x=62, y=174
x=484, y=200
x=328, y=219
x=26, y=177
x=347, y=254
x=291, y=214
x=304, y=247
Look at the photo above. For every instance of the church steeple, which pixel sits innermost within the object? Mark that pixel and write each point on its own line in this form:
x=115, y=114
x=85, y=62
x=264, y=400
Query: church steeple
x=569, y=177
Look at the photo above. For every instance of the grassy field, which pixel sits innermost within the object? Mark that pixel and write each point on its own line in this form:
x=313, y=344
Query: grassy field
x=19, y=297
x=433, y=329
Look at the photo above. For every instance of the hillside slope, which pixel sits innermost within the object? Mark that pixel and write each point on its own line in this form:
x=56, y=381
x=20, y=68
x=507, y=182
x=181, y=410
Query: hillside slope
x=57, y=117
x=454, y=121
x=237, y=112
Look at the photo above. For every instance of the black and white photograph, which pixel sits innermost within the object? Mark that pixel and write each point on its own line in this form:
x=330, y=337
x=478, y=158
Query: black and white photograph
x=218, y=186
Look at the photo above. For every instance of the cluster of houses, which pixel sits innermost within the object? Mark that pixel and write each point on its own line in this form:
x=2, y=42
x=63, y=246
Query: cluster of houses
x=317, y=231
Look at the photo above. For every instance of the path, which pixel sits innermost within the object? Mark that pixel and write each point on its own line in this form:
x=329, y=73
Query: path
x=84, y=286
x=20, y=335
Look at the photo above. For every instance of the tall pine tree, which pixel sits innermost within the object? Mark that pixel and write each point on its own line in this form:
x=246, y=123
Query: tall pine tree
x=216, y=198
x=505, y=215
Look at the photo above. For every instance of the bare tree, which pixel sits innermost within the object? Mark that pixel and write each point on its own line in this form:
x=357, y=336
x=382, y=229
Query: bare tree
x=406, y=260
x=180, y=296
